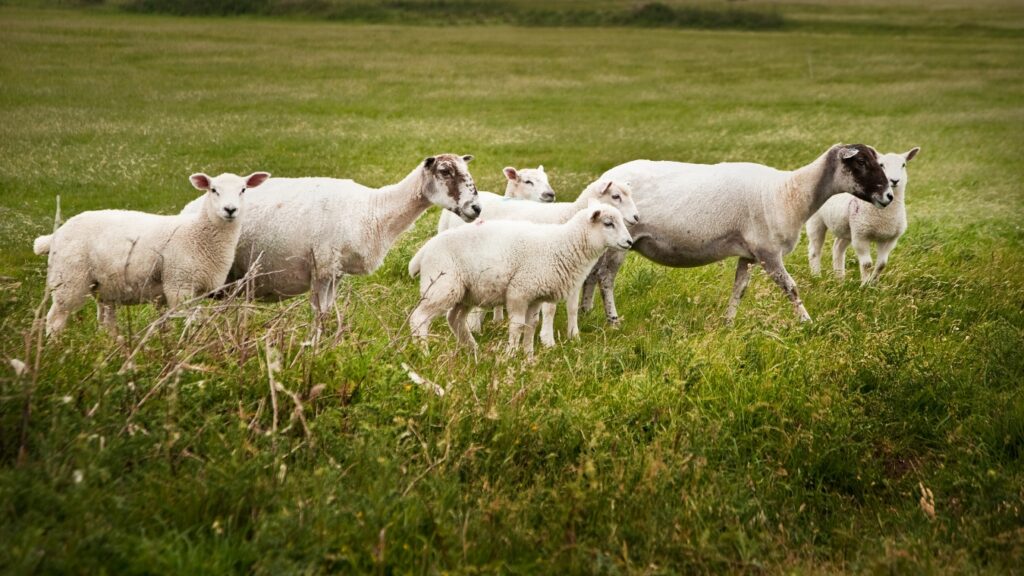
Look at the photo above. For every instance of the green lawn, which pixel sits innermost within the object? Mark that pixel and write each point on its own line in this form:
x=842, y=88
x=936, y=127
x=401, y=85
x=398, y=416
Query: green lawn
x=674, y=444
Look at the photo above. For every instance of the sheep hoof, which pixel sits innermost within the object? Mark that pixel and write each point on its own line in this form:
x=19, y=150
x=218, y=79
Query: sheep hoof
x=615, y=321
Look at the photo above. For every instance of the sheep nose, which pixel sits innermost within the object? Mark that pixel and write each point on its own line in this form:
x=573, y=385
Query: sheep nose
x=636, y=219
x=230, y=210
x=476, y=209
x=888, y=196
x=894, y=181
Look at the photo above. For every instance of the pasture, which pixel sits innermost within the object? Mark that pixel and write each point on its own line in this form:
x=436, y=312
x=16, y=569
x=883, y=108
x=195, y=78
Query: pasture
x=674, y=444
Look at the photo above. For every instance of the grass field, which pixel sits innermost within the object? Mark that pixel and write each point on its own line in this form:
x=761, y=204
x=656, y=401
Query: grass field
x=674, y=444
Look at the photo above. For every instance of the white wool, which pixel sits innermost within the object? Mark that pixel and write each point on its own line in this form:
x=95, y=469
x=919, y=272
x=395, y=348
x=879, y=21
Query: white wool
x=612, y=193
x=853, y=221
x=516, y=263
x=525, y=184
x=696, y=214
x=127, y=257
x=306, y=233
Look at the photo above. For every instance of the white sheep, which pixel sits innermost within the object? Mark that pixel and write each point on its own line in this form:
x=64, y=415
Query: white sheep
x=127, y=257
x=525, y=184
x=858, y=222
x=307, y=232
x=610, y=192
x=515, y=263
x=696, y=214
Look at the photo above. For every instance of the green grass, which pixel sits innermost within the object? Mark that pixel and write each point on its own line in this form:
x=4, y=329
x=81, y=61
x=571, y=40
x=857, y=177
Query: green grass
x=672, y=445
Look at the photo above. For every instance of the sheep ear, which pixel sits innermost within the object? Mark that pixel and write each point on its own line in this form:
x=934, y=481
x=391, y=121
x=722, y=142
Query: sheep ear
x=607, y=188
x=595, y=215
x=429, y=161
x=846, y=153
x=511, y=173
x=467, y=158
x=256, y=178
x=911, y=153
x=200, y=181
x=541, y=167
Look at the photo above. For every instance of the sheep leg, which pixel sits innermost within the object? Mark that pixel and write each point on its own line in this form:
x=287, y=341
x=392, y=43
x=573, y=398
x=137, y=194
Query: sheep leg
x=572, y=313
x=67, y=298
x=516, y=323
x=863, y=249
x=739, y=286
x=773, y=265
x=590, y=284
x=475, y=320
x=322, y=294
x=606, y=275
x=884, y=248
x=457, y=316
x=531, y=325
x=547, y=330
x=816, y=230
x=106, y=316
x=421, y=317
x=839, y=257
x=499, y=313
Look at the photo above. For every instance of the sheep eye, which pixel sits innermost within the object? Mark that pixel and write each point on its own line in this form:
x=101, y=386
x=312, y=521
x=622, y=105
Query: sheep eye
x=242, y=192
x=530, y=182
x=609, y=225
x=904, y=165
x=616, y=197
x=214, y=190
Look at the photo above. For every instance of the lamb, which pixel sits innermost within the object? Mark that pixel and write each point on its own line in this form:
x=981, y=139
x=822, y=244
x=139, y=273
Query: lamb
x=526, y=184
x=307, y=232
x=852, y=220
x=696, y=214
x=610, y=192
x=127, y=257
x=518, y=264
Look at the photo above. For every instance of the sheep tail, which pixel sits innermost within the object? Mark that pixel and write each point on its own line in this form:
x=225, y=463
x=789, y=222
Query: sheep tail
x=414, y=264
x=42, y=244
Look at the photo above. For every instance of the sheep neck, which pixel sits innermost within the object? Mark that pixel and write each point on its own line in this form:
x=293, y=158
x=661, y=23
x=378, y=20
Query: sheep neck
x=397, y=206
x=808, y=188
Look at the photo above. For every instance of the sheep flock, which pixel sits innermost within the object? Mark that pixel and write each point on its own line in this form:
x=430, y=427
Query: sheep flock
x=522, y=252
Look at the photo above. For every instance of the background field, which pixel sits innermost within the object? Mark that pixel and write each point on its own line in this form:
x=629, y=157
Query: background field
x=673, y=444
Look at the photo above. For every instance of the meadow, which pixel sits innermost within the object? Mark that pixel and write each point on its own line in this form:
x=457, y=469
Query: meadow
x=673, y=444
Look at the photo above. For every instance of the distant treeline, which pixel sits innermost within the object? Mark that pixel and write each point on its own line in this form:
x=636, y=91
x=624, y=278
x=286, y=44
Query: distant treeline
x=443, y=12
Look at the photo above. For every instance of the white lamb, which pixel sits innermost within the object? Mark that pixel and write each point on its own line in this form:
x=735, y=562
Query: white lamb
x=610, y=192
x=696, y=214
x=856, y=221
x=127, y=257
x=307, y=232
x=526, y=184
x=515, y=263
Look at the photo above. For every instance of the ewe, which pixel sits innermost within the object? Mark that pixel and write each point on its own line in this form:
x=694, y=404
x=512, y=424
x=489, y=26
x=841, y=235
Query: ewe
x=126, y=257
x=612, y=193
x=696, y=214
x=856, y=221
x=526, y=184
x=305, y=233
x=516, y=263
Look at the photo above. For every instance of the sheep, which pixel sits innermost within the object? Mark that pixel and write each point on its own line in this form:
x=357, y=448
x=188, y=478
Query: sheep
x=515, y=263
x=696, y=214
x=526, y=184
x=127, y=257
x=307, y=232
x=852, y=220
x=610, y=192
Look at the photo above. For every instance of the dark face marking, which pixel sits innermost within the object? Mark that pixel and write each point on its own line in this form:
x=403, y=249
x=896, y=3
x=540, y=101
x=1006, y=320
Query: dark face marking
x=867, y=173
x=445, y=166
